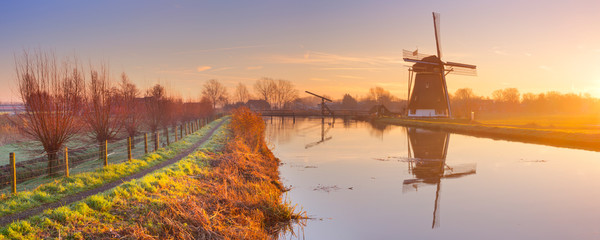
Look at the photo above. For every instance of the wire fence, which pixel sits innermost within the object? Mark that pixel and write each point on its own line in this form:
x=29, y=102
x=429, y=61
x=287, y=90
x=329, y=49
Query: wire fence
x=28, y=174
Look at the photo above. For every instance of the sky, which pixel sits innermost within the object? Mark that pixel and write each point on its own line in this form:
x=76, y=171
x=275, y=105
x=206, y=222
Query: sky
x=327, y=47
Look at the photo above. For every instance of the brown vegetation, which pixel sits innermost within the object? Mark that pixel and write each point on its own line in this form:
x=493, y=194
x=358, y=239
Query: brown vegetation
x=53, y=95
x=238, y=198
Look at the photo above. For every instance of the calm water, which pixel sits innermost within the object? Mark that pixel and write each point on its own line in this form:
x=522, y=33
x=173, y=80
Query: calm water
x=359, y=181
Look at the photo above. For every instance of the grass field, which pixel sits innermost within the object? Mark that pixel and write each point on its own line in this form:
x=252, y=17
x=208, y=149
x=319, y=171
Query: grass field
x=48, y=190
x=569, y=133
x=575, y=123
x=228, y=189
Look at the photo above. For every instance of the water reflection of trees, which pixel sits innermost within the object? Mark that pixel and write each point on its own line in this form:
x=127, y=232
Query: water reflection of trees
x=378, y=129
x=281, y=129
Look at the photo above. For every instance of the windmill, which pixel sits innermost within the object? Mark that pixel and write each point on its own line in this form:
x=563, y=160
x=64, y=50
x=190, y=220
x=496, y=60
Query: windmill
x=429, y=97
x=428, y=164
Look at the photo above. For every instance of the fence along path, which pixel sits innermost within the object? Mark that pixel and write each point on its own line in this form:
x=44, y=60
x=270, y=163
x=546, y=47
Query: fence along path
x=81, y=195
x=33, y=172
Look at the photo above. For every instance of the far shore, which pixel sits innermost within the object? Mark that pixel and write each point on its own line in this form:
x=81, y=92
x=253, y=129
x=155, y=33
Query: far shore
x=545, y=136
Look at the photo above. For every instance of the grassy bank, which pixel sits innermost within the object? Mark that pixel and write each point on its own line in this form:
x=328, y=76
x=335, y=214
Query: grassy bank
x=228, y=189
x=552, y=137
x=62, y=187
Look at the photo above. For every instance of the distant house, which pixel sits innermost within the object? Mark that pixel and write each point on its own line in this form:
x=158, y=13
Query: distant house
x=258, y=105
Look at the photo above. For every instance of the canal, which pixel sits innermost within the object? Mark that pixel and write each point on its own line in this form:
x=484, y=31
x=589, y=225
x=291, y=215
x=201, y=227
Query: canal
x=357, y=180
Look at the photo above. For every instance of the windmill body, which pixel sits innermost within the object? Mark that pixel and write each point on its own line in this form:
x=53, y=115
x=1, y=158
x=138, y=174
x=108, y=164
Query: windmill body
x=429, y=96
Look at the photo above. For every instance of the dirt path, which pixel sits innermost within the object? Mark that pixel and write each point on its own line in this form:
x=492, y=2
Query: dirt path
x=81, y=195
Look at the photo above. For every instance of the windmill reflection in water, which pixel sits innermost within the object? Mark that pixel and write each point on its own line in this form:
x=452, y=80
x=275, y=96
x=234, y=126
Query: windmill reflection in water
x=427, y=152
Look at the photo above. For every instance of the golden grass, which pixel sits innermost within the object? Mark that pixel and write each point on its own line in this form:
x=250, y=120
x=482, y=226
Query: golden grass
x=555, y=137
x=230, y=192
x=568, y=123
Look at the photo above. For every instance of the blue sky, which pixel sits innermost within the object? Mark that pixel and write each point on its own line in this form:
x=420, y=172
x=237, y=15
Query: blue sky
x=329, y=47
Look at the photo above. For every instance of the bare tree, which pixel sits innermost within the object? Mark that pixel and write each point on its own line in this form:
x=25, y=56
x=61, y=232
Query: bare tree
x=103, y=114
x=508, y=99
x=52, y=95
x=215, y=91
x=265, y=88
x=155, y=107
x=284, y=92
x=464, y=102
x=380, y=95
x=241, y=93
x=131, y=108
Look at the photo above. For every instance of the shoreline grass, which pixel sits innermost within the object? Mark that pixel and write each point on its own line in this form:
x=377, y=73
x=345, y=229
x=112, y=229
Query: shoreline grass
x=227, y=189
x=551, y=137
x=62, y=187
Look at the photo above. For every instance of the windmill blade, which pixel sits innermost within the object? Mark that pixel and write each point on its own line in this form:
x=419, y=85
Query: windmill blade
x=460, y=170
x=436, y=26
x=413, y=185
x=461, y=70
x=455, y=64
x=414, y=55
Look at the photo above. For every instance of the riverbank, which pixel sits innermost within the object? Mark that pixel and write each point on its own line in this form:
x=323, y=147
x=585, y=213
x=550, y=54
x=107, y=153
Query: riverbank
x=558, y=138
x=227, y=189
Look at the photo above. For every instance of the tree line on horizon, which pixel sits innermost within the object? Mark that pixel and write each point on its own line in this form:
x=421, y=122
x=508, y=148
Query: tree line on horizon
x=511, y=101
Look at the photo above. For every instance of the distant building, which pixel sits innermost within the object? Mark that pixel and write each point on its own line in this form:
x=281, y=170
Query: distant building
x=258, y=105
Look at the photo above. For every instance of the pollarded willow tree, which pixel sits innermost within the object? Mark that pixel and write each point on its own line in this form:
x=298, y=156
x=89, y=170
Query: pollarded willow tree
x=154, y=101
x=52, y=93
x=103, y=114
x=132, y=109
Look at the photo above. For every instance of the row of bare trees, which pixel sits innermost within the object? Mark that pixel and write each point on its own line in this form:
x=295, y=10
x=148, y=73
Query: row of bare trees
x=275, y=92
x=61, y=103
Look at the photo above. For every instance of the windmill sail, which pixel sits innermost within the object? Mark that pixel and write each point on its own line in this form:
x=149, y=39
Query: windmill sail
x=414, y=55
x=436, y=26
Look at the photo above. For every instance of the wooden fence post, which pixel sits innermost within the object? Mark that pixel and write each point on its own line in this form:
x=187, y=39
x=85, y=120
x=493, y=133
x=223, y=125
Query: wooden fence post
x=129, y=149
x=167, y=133
x=146, y=142
x=175, y=133
x=66, y=161
x=156, y=143
x=13, y=169
x=105, y=152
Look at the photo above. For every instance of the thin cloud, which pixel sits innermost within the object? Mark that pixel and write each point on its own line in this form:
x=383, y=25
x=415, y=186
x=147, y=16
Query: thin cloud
x=545, y=68
x=314, y=57
x=221, y=69
x=351, y=68
x=220, y=49
x=254, y=68
x=203, y=68
x=499, y=51
x=350, y=77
